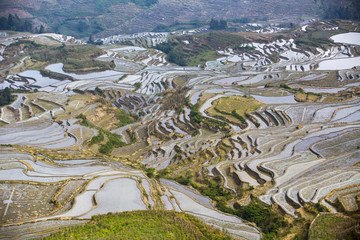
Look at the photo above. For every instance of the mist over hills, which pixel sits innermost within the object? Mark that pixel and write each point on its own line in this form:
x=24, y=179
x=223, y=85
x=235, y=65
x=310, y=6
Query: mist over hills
x=104, y=18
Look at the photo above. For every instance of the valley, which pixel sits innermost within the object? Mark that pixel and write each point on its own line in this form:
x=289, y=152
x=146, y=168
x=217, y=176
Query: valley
x=253, y=133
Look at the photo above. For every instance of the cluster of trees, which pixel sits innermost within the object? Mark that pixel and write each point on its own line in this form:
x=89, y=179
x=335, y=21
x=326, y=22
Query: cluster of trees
x=266, y=218
x=6, y=97
x=14, y=23
x=218, y=24
x=174, y=51
x=346, y=9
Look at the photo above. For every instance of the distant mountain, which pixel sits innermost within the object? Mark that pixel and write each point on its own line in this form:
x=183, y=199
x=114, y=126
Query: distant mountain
x=83, y=18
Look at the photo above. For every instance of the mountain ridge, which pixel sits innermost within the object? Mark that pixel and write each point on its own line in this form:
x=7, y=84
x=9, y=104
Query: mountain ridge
x=85, y=18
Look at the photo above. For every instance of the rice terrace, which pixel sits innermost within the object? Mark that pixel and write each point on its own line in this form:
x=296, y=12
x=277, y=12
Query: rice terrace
x=167, y=119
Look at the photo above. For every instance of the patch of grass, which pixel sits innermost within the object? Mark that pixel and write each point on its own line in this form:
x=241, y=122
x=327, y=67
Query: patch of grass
x=124, y=118
x=80, y=58
x=333, y=226
x=114, y=141
x=202, y=57
x=148, y=224
x=234, y=108
x=307, y=97
x=197, y=49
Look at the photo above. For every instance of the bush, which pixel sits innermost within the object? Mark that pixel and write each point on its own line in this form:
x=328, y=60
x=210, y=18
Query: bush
x=150, y=172
x=114, y=141
x=84, y=120
x=195, y=114
x=264, y=217
x=124, y=118
x=137, y=86
x=98, y=138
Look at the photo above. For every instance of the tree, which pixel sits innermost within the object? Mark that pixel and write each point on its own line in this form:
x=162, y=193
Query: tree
x=27, y=26
x=218, y=24
x=5, y=97
x=11, y=22
x=3, y=23
x=42, y=29
x=91, y=39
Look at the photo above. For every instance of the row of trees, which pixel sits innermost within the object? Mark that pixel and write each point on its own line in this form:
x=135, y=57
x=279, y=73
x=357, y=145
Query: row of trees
x=14, y=23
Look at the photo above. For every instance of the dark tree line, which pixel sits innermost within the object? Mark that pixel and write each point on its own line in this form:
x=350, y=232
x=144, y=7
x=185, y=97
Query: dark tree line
x=346, y=9
x=218, y=24
x=14, y=23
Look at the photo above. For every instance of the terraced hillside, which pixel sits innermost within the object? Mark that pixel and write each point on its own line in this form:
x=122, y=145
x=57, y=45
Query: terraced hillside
x=106, y=18
x=256, y=140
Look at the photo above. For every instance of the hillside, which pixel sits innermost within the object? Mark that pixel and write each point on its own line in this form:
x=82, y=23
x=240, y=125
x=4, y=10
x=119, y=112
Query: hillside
x=142, y=225
x=105, y=18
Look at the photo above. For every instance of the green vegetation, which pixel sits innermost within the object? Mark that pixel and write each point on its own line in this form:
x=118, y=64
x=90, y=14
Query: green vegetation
x=333, y=226
x=246, y=48
x=150, y=172
x=218, y=24
x=137, y=86
x=311, y=40
x=264, y=217
x=213, y=189
x=55, y=75
x=301, y=95
x=124, y=118
x=75, y=58
x=148, y=224
x=349, y=9
x=195, y=115
x=82, y=19
x=198, y=48
x=315, y=208
x=178, y=26
x=6, y=97
x=99, y=91
x=241, y=20
x=98, y=138
x=84, y=121
x=14, y=23
x=267, y=219
x=114, y=141
x=235, y=106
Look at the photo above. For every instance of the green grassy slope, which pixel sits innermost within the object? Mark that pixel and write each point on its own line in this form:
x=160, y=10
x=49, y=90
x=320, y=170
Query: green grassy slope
x=142, y=225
